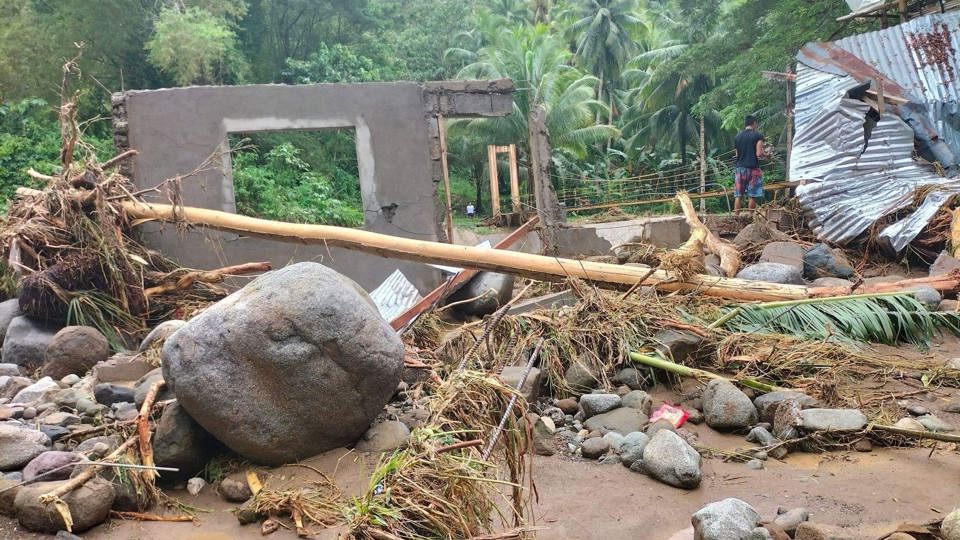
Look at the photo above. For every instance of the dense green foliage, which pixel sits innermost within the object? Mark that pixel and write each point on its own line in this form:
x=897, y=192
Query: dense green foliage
x=626, y=83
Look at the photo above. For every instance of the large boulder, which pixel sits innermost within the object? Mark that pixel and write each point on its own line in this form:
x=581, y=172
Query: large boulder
x=767, y=404
x=49, y=465
x=773, y=273
x=725, y=407
x=89, y=506
x=181, y=443
x=789, y=253
x=299, y=358
x=530, y=389
x=832, y=419
x=669, y=459
x=729, y=519
x=758, y=234
x=623, y=420
x=822, y=261
x=75, y=349
x=9, y=309
x=19, y=445
x=25, y=343
x=594, y=404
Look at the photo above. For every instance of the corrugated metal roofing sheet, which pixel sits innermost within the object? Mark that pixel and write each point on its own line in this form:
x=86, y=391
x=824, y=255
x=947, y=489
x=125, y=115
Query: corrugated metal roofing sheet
x=852, y=181
x=395, y=295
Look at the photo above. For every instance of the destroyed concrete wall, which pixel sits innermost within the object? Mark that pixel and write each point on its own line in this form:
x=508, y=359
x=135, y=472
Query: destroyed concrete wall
x=176, y=130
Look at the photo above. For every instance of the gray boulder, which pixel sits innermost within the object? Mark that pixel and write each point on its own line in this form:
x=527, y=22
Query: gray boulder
x=787, y=420
x=950, y=528
x=108, y=394
x=822, y=261
x=234, y=489
x=384, y=437
x=89, y=506
x=632, y=447
x=791, y=519
x=767, y=404
x=9, y=370
x=581, y=377
x=725, y=407
x=11, y=386
x=594, y=404
x=669, y=459
x=75, y=349
x=25, y=343
x=530, y=390
x=758, y=234
x=926, y=295
x=594, y=447
x=729, y=519
x=487, y=292
x=677, y=345
x=637, y=399
x=160, y=333
x=932, y=423
x=122, y=367
x=9, y=310
x=773, y=273
x=630, y=377
x=543, y=431
x=111, y=442
x=788, y=253
x=943, y=265
x=832, y=419
x=37, y=391
x=623, y=420
x=19, y=445
x=181, y=443
x=319, y=358
x=831, y=282
x=143, y=384
x=761, y=436
x=51, y=461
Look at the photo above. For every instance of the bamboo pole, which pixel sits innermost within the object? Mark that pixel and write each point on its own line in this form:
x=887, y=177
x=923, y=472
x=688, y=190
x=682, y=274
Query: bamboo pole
x=684, y=371
x=496, y=260
x=442, y=134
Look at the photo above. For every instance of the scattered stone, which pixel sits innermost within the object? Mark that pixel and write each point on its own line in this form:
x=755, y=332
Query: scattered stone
x=70, y=379
x=594, y=404
x=122, y=367
x=623, y=420
x=48, y=461
x=669, y=459
x=729, y=519
x=38, y=391
x=638, y=399
x=832, y=419
x=108, y=394
x=594, y=447
x=60, y=418
x=181, y=443
x=415, y=417
x=787, y=420
x=761, y=455
x=9, y=310
x=384, y=437
x=831, y=282
x=29, y=413
x=70, y=397
x=89, y=506
x=581, y=378
x=631, y=377
x=615, y=440
x=863, y=445
x=19, y=445
x=75, y=349
x=531, y=386
x=160, y=333
x=950, y=528
x=9, y=370
x=761, y=436
x=124, y=411
x=111, y=442
x=821, y=261
x=653, y=428
x=234, y=490
x=609, y=459
x=758, y=234
x=932, y=423
x=567, y=405
x=767, y=404
x=926, y=295
x=143, y=384
x=900, y=536
x=942, y=266
x=918, y=410
x=623, y=390
x=725, y=407
x=10, y=386
x=543, y=431
x=556, y=415
x=755, y=464
x=678, y=345
x=791, y=519
x=195, y=486
x=773, y=273
x=486, y=292
x=54, y=433
x=694, y=416
x=909, y=423
x=632, y=447
x=789, y=253
x=25, y=343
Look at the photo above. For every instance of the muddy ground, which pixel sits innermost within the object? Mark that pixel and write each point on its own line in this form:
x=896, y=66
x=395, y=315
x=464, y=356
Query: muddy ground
x=580, y=499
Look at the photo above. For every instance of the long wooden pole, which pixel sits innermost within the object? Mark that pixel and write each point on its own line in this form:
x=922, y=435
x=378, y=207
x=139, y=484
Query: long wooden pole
x=496, y=260
x=494, y=181
x=446, y=176
x=703, y=166
x=514, y=180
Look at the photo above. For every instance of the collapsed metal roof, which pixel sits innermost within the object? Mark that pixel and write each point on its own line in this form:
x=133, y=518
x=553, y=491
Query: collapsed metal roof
x=857, y=164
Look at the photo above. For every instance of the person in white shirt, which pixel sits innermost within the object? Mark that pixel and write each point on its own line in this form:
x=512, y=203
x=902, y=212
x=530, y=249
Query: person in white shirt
x=470, y=210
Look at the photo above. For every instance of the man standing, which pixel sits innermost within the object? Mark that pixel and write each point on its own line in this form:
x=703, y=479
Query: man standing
x=470, y=210
x=747, y=176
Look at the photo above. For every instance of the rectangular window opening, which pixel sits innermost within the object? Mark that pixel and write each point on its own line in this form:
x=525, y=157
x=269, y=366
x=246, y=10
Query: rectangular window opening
x=304, y=176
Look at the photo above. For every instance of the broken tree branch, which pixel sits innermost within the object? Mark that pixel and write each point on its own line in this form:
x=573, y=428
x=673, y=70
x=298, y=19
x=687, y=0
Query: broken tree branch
x=936, y=436
x=143, y=431
x=209, y=276
x=728, y=253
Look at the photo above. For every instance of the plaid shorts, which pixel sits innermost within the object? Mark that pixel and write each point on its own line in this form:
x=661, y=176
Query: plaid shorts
x=747, y=182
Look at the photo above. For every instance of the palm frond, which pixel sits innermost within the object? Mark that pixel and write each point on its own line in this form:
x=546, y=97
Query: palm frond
x=886, y=318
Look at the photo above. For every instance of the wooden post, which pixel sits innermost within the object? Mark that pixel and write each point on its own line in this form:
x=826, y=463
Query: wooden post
x=881, y=107
x=703, y=167
x=494, y=181
x=902, y=6
x=514, y=181
x=786, y=169
x=548, y=208
x=446, y=176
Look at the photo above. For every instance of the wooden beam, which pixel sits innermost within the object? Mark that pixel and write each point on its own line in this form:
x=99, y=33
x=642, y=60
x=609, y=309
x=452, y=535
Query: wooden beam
x=777, y=76
x=494, y=181
x=514, y=180
x=446, y=176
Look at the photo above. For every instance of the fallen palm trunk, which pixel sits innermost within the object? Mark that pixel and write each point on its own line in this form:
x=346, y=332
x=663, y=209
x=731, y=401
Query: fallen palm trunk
x=526, y=265
x=701, y=236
